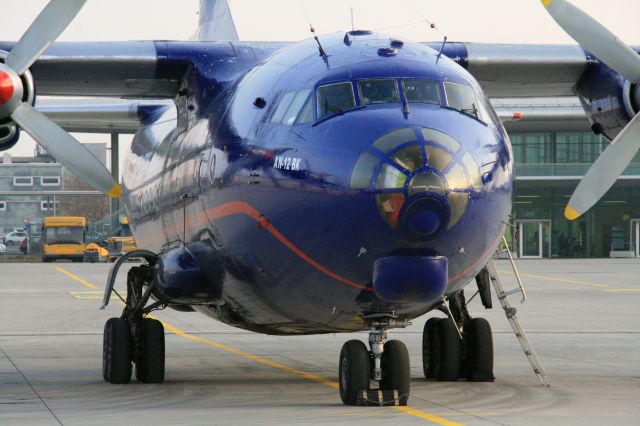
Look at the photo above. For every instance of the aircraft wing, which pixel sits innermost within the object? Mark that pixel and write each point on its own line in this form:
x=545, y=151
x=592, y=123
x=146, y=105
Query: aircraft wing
x=136, y=69
x=102, y=118
x=520, y=70
x=153, y=69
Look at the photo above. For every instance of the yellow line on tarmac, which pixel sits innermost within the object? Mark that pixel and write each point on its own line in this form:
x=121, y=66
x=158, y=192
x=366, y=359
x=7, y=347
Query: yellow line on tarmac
x=87, y=294
x=75, y=277
x=562, y=280
x=426, y=416
x=274, y=364
x=252, y=357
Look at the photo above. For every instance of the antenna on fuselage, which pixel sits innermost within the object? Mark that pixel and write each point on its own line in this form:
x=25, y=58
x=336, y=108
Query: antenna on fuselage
x=441, y=49
x=353, y=27
x=432, y=25
x=315, y=36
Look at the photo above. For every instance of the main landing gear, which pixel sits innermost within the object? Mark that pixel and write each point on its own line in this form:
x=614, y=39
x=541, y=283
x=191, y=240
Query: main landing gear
x=134, y=339
x=458, y=347
x=386, y=364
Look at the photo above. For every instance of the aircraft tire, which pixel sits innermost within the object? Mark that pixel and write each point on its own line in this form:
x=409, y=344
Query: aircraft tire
x=354, y=371
x=150, y=367
x=478, y=341
x=116, y=351
x=449, y=347
x=396, y=370
x=428, y=340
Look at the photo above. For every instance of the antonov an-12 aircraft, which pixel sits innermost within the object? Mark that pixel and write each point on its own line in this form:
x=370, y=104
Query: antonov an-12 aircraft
x=343, y=183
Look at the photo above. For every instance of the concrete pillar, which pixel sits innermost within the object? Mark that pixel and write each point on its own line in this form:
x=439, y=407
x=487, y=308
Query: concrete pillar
x=115, y=169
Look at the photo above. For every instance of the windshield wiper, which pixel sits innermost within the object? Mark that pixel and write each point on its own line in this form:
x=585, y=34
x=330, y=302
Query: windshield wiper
x=327, y=117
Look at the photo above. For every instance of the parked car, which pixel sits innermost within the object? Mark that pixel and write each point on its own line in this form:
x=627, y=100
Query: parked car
x=14, y=238
x=36, y=244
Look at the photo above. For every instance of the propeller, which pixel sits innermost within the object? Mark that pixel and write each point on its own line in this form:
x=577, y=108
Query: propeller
x=51, y=22
x=618, y=56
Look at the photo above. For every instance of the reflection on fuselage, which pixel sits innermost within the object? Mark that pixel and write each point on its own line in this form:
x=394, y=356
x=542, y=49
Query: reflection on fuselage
x=366, y=157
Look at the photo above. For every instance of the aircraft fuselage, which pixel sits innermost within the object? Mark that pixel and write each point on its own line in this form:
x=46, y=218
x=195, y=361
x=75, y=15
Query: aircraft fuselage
x=285, y=212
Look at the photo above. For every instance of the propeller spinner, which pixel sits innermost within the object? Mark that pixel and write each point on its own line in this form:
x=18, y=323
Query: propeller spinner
x=618, y=56
x=55, y=17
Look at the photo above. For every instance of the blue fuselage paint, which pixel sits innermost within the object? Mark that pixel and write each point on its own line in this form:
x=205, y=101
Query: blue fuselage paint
x=293, y=241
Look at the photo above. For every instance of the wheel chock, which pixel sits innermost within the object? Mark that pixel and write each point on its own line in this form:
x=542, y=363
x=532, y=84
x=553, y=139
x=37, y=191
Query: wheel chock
x=379, y=398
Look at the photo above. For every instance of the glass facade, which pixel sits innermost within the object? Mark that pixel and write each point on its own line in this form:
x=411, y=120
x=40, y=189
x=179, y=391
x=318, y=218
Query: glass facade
x=548, y=167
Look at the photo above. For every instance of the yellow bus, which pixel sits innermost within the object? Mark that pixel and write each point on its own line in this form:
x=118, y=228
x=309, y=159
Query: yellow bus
x=63, y=237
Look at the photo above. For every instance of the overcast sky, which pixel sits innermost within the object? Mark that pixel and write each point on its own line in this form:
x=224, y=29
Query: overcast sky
x=506, y=21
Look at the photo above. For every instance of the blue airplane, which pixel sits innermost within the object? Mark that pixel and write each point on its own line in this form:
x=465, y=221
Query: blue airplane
x=343, y=183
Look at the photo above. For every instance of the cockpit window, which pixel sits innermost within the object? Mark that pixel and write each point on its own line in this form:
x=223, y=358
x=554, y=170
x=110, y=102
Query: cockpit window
x=283, y=105
x=378, y=91
x=335, y=99
x=418, y=90
x=289, y=107
x=306, y=115
x=462, y=98
x=296, y=104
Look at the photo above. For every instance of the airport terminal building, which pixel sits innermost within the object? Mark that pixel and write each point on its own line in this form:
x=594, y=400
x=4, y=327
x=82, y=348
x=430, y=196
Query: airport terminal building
x=552, y=155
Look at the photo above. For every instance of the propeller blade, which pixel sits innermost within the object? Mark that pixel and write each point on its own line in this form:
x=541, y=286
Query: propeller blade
x=605, y=171
x=51, y=22
x=66, y=149
x=594, y=37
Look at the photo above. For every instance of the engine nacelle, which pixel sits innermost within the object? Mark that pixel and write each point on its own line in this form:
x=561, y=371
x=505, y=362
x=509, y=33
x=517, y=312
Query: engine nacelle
x=183, y=276
x=23, y=91
x=609, y=100
x=9, y=135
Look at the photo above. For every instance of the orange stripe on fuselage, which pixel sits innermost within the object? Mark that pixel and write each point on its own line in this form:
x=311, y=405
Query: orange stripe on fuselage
x=236, y=207
x=241, y=207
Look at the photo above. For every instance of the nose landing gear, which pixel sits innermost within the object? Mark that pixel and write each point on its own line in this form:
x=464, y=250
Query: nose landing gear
x=387, y=363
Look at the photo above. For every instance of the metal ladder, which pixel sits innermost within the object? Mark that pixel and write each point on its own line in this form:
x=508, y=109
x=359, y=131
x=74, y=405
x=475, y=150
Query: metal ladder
x=512, y=317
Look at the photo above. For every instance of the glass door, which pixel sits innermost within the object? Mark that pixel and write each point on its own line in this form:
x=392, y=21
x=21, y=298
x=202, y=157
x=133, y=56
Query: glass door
x=635, y=237
x=533, y=239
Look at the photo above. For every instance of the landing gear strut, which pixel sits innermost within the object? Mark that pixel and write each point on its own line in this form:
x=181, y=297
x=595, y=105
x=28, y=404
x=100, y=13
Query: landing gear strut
x=134, y=339
x=386, y=364
x=446, y=356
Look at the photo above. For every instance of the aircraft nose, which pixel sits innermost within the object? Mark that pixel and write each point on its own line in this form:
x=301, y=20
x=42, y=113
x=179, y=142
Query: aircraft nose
x=421, y=178
x=424, y=217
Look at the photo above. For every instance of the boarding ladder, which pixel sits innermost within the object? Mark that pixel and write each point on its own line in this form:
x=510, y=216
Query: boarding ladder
x=510, y=312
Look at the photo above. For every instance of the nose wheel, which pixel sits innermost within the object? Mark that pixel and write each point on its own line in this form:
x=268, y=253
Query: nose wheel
x=386, y=366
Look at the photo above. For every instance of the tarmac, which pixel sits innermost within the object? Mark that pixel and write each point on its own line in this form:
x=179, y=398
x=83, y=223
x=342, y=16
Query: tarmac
x=582, y=317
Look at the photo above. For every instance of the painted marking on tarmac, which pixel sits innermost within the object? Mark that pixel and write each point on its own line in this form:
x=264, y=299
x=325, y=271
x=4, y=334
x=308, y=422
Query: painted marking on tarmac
x=274, y=364
x=75, y=277
x=97, y=294
x=562, y=280
x=435, y=414
x=622, y=290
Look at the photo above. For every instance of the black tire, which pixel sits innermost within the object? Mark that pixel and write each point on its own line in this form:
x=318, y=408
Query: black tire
x=150, y=368
x=449, y=348
x=396, y=370
x=428, y=341
x=116, y=351
x=478, y=340
x=354, y=371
